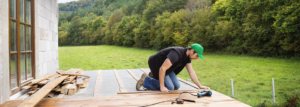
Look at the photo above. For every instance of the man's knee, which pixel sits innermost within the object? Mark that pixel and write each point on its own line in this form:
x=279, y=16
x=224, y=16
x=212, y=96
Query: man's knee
x=176, y=86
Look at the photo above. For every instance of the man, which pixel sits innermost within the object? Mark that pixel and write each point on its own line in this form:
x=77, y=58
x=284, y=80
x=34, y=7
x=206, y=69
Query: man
x=166, y=64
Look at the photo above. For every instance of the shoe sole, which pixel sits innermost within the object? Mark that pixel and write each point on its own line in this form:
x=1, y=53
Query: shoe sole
x=140, y=81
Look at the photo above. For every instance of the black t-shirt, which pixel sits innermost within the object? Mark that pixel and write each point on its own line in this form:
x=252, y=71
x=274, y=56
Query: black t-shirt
x=177, y=56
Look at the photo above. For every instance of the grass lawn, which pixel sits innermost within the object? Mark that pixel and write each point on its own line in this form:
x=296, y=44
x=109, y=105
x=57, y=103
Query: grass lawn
x=251, y=75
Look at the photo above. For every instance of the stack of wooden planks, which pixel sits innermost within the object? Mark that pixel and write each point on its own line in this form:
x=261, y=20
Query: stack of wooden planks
x=62, y=82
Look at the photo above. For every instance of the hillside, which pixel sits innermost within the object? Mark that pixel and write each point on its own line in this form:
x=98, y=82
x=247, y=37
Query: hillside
x=256, y=28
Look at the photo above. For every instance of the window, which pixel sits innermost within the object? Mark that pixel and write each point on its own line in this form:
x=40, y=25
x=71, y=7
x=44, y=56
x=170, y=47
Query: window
x=21, y=43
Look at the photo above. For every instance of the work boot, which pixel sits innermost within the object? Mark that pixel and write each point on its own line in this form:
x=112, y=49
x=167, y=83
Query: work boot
x=140, y=81
x=150, y=74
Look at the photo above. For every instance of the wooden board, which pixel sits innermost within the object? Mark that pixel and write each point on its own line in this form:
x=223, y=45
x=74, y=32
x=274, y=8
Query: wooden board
x=159, y=92
x=79, y=80
x=26, y=87
x=71, y=78
x=129, y=71
x=33, y=91
x=34, y=99
x=72, y=74
x=57, y=88
x=65, y=88
x=85, y=83
x=51, y=94
x=98, y=84
x=72, y=89
x=43, y=82
x=133, y=100
x=72, y=82
x=33, y=87
x=188, y=83
x=121, y=85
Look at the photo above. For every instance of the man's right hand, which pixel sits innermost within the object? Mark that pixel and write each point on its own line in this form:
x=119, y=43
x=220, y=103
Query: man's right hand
x=164, y=89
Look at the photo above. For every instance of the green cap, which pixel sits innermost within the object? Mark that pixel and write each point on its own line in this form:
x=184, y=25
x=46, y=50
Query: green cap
x=198, y=48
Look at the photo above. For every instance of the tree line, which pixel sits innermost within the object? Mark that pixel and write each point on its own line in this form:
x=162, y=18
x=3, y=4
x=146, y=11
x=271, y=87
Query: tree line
x=253, y=27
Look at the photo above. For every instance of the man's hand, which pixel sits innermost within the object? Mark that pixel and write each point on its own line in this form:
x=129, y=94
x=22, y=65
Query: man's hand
x=204, y=87
x=164, y=89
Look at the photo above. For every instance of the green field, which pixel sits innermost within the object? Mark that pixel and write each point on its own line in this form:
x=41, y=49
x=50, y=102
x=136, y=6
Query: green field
x=251, y=75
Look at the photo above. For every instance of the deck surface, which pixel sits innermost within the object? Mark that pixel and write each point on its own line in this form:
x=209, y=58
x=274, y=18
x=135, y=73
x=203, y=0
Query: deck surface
x=106, y=89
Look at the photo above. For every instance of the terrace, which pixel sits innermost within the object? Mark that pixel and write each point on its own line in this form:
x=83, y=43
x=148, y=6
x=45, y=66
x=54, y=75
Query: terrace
x=117, y=88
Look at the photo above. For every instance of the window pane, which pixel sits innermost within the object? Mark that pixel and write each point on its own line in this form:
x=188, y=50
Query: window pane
x=13, y=9
x=13, y=36
x=22, y=12
x=22, y=37
x=29, y=70
x=23, y=69
x=28, y=11
x=13, y=71
x=28, y=38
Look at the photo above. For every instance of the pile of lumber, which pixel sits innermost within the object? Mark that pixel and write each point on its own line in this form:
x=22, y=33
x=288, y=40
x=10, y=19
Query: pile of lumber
x=63, y=82
x=69, y=86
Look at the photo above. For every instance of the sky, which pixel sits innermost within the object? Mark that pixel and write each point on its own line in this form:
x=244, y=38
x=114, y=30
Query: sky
x=64, y=1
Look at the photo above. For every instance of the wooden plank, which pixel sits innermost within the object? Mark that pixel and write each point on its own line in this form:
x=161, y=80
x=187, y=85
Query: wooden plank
x=98, y=84
x=129, y=71
x=79, y=80
x=61, y=96
x=73, y=89
x=43, y=82
x=67, y=79
x=33, y=91
x=72, y=82
x=34, y=87
x=65, y=82
x=216, y=100
x=159, y=92
x=26, y=87
x=34, y=99
x=51, y=94
x=73, y=74
x=57, y=88
x=39, y=80
x=85, y=83
x=188, y=83
x=64, y=89
x=121, y=85
x=71, y=78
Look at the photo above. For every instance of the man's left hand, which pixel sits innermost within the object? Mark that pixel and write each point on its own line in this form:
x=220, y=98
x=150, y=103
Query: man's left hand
x=204, y=87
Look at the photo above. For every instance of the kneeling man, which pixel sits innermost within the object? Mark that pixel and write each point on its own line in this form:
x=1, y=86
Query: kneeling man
x=166, y=64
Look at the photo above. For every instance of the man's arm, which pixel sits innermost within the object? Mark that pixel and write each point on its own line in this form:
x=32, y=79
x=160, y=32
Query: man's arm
x=162, y=73
x=194, y=76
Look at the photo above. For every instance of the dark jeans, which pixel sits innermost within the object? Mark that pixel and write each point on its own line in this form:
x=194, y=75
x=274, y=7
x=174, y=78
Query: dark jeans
x=171, y=82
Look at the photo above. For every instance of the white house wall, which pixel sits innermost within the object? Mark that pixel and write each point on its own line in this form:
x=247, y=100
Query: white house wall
x=46, y=42
x=46, y=37
x=4, y=52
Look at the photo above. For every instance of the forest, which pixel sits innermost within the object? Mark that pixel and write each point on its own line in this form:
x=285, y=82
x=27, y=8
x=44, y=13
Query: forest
x=268, y=28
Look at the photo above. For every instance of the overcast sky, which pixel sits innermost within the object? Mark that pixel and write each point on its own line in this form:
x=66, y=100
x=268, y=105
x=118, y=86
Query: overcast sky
x=64, y=1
